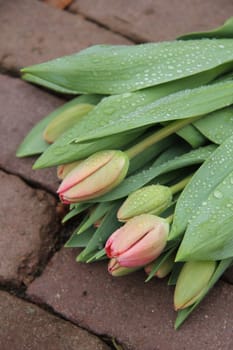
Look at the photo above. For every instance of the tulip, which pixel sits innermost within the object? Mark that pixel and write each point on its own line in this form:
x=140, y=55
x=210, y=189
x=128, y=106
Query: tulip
x=139, y=241
x=64, y=169
x=94, y=176
x=152, y=199
x=65, y=120
x=164, y=269
x=192, y=282
x=116, y=270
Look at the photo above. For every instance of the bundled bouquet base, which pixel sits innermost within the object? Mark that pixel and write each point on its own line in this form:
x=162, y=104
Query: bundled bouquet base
x=146, y=155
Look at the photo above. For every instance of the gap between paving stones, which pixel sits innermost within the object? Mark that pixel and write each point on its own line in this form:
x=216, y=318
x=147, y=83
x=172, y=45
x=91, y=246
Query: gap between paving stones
x=133, y=39
x=20, y=294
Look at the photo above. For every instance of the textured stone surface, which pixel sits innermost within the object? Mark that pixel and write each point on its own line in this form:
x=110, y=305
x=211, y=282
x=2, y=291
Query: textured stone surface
x=139, y=315
x=32, y=32
x=153, y=20
x=39, y=330
x=28, y=227
x=22, y=106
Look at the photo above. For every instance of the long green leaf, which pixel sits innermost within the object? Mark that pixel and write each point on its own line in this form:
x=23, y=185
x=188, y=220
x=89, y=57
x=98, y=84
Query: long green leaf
x=209, y=235
x=181, y=105
x=224, y=31
x=107, y=69
x=80, y=241
x=64, y=150
x=208, y=176
x=217, y=126
x=179, y=158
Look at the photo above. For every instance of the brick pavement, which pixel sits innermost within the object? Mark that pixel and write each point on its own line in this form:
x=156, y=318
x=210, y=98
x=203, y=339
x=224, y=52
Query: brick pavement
x=140, y=316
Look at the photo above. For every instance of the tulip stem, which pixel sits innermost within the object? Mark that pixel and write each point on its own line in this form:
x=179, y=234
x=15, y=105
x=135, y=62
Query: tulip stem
x=180, y=185
x=159, y=135
x=169, y=219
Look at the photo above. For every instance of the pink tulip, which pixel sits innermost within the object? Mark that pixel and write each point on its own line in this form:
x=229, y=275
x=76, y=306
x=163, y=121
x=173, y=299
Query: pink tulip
x=139, y=241
x=94, y=176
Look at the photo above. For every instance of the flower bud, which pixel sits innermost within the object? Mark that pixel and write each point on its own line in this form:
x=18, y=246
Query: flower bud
x=64, y=169
x=164, y=269
x=64, y=121
x=94, y=176
x=139, y=241
x=116, y=270
x=153, y=199
x=192, y=281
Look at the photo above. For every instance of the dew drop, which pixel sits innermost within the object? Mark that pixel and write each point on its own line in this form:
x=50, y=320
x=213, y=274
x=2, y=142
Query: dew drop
x=218, y=194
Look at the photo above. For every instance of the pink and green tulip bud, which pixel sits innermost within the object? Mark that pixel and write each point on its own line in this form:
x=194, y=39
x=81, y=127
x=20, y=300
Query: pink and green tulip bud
x=163, y=270
x=94, y=176
x=116, y=270
x=64, y=169
x=64, y=121
x=152, y=199
x=139, y=241
x=192, y=282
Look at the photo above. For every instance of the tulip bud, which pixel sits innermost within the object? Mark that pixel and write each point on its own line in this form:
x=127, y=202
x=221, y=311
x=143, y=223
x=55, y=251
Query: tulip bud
x=64, y=169
x=152, y=199
x=192, y=281
x=164, y=269
x=116, y=270
x=139, y=241
x=64, y=121
x=94, y=176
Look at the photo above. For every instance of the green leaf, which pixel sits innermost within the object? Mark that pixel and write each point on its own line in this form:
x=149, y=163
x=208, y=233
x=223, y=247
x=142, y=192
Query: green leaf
x=217, y=126
x=107, y=69
x=107, y=227
x=79, y=208
x=182, y=159
x=80, y=241
x=98, y=212
x=180, y=105
x=209, y=235
x=62, y=152
x=224, y=31
x=159, y=261
x=183, y=314
x=66, y=150
x=34, y=142
x=207, y=177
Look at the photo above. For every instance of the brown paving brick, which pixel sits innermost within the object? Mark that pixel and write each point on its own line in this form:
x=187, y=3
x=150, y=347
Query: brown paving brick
x=32, y=32
x=153, y=20
x=22, y=106
x=139, y=315
x=25, y=326
x=28, y=229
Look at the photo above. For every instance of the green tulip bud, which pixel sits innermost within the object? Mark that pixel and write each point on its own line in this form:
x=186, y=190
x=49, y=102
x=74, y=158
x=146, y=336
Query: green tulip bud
x=164, y=269
x=64, y=121
x=192, y=281
x=153, y=199
x=116, y=270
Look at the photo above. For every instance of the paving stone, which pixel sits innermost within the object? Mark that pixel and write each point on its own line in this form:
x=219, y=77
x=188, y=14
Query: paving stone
x=32, y=32
x=139, y=315
x=153, y=20
x=22, y=106
x=25, y=326
x=29, y=226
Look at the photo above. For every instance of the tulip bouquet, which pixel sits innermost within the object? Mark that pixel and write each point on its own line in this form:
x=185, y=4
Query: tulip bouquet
x=145, y=153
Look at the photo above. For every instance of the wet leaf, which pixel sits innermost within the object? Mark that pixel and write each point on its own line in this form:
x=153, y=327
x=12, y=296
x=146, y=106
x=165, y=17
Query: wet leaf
x=107, y=69
x=214, y=170
x=180, y=105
